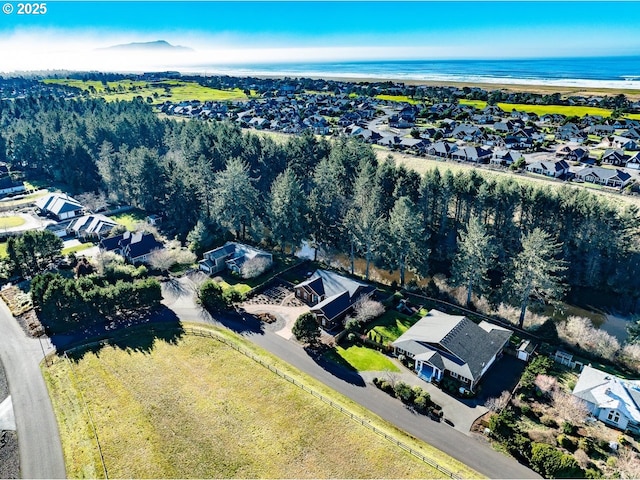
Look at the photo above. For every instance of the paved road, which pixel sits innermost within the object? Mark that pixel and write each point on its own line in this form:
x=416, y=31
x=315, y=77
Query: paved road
x=473, y=452
x=38, y=436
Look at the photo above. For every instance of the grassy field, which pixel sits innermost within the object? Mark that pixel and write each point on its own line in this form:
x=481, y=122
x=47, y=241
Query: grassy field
x=3, y=249
x=158, y=91
x=421, y=165
x=567, y=110
x=398, y=98
x=363, y=359
x=11, y=222
x=175, y=411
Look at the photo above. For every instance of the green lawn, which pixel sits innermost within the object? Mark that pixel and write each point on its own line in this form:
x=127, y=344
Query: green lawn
x=76, y=248
x=130, y=219
x=238, y=287
x=398, y=98
x=158, y=91
x=393, y=324
x=3, y=250
x=362, y=359
x=11, y=222
x=567, y=110
x=198, y=408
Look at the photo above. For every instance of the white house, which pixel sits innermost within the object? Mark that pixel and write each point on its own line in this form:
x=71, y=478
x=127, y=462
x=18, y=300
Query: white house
x=610, y=399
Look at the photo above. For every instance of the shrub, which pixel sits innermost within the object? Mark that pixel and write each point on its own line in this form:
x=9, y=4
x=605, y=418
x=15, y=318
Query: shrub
x=548, y=421
x=520, y=446
x=552, y=463
x=585, y=444
x=404, y=392
x=566, y=442
x=582, y=458
x=386, y=387
x=568, y=428
x=352, y=337
x=422, y=402
x=306, y=329
x=503, y=425
x=525, y=410
x=592, y=473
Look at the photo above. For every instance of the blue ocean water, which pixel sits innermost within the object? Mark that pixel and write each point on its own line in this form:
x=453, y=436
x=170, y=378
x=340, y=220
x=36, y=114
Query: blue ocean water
x=593, y=71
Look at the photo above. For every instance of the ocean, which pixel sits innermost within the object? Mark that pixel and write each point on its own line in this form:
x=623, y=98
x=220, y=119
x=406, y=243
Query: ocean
x=602, y=72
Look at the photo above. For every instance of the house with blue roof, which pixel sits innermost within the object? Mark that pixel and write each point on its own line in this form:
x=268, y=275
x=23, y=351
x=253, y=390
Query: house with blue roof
x=610, y=399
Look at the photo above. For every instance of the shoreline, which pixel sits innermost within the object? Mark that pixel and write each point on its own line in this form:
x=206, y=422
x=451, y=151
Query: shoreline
x=531, y=86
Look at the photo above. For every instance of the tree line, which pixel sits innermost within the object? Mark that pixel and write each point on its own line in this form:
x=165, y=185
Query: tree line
x=213, y=181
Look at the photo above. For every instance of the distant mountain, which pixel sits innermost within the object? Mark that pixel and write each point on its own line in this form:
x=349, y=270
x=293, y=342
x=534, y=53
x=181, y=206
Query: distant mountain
x=157, y=46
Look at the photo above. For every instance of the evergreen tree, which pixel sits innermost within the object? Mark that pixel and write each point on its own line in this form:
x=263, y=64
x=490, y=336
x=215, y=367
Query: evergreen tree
x=326, y=204
x=537, y=271
x=287, y=210
x=235, y=199
x=364, y=220
x=472, y=262
x=406, y=238
x=306, y=329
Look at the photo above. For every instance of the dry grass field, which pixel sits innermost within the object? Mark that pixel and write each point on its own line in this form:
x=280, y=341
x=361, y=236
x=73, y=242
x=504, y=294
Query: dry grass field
x=200, y=409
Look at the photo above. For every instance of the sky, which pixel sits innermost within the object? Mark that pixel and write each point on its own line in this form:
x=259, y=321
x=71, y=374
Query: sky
x=70, y=32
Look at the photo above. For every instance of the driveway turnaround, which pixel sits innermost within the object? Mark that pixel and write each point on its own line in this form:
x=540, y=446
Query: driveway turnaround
x=473, y=452
x=38, y=436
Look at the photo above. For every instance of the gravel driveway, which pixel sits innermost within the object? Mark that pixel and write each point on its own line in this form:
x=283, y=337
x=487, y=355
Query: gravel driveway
x=9, y=456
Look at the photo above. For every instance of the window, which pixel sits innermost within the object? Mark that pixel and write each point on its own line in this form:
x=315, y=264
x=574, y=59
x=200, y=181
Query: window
x=453, y=374
x=614, y=416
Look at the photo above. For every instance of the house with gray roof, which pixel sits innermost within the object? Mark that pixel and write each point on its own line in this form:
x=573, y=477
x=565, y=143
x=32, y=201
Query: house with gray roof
x=91, y=226
x=609, y=177
x=610, y=399
x=634, y=162
x=549, y=168
x=133, y=246
x=472, y=154
x=60, y=206
x=441, y=344
x=231, y=256
x=331, y=296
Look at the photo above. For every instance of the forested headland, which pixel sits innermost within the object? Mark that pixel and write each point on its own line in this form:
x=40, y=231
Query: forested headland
x=212, y=180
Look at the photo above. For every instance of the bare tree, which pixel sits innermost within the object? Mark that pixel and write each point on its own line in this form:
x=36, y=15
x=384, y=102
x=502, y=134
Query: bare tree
x=569, y=407
x=497, y=404
x=546, y=383
x=164, y=258
x=365, y=309
x=580, y=331
x=93, y=201
x=254, y=267
x=628, y=463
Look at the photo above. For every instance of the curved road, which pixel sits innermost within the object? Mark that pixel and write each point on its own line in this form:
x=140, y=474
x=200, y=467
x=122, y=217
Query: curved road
x=473, y=452
x=38, y=436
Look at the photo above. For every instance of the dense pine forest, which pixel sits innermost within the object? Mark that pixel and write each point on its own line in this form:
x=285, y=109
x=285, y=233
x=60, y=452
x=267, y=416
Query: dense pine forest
x=211, y=180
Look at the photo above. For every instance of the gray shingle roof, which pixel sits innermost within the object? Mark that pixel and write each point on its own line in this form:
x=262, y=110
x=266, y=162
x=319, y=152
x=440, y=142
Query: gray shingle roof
x=464, y=347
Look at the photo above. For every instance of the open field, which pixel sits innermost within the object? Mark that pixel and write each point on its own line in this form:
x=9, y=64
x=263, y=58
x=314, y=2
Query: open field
x=158, y=91
x=174, y=410
x=421, y=165
x=3, y=250
x=398, y=98
x=568, y=110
